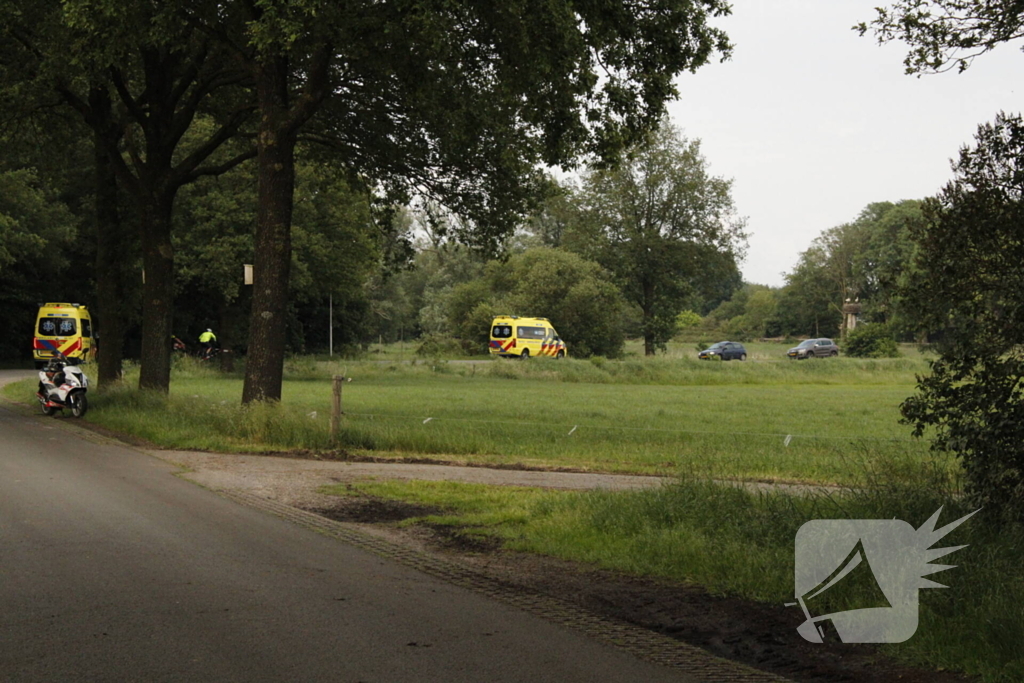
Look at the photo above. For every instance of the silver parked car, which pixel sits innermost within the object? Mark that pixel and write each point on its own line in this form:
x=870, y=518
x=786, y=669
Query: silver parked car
x=814, y=348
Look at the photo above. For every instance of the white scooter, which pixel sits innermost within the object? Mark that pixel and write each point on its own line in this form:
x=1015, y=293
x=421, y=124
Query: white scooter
x=62, y=384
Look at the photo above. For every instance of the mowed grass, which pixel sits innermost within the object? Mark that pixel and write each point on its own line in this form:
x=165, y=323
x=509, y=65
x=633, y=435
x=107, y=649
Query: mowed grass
x=814, y=421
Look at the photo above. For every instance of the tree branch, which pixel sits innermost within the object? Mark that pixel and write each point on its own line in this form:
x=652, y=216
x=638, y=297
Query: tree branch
x=218, y=169
x=117, y=78
x=313, y=92
x=187, y=168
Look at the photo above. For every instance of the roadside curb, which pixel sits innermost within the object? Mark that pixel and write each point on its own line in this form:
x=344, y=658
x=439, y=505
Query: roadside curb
x=642, y=643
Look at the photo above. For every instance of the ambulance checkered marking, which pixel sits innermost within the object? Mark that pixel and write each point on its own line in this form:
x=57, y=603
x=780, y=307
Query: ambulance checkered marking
x=551, y=348
x=67, y=348
x=503, y=348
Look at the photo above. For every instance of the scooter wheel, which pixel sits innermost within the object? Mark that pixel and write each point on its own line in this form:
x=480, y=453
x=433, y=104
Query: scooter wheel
x=48, y=410
x=78, y=404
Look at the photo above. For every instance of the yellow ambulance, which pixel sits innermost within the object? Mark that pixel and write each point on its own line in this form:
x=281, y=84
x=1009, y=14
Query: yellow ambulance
x=525, y=338
x=66, y=328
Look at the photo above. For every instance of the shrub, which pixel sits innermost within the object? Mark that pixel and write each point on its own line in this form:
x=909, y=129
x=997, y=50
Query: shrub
x=440, y=346
x=687, y=320
x=873, y=340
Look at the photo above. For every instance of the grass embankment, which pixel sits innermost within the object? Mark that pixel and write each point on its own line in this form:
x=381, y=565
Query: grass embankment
x=815, y=421
x=738, y=543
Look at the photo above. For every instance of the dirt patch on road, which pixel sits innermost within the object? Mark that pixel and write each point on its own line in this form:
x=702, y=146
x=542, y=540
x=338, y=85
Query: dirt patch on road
x=380, y=511
x=760, y=635
x=369, y=510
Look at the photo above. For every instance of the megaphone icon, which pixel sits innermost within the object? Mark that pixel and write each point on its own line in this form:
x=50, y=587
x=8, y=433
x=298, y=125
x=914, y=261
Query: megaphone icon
x=853, y=579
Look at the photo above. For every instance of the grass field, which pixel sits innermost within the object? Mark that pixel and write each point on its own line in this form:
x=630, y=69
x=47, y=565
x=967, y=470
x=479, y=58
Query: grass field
x=817, y=421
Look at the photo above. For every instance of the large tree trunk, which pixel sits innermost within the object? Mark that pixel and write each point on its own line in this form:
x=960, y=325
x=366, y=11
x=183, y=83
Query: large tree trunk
x=264, y=366
x=157, y=293
x=112, y=246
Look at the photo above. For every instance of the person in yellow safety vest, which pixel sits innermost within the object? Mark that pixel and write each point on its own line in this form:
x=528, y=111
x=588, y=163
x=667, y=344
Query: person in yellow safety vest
x=208, y=339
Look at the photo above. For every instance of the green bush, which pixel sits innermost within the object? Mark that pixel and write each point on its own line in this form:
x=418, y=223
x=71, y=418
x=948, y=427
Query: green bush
x=576, y=295
x=440, y=345
x=873, y=340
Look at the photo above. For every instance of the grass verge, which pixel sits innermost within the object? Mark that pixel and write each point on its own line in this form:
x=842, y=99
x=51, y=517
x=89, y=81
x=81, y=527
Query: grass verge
x=738, y=543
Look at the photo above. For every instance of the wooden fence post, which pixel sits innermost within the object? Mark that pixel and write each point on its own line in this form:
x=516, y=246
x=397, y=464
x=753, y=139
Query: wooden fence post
x=336, y=407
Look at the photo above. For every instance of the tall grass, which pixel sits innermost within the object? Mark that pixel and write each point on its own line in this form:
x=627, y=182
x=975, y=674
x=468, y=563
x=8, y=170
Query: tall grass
x=661, y=370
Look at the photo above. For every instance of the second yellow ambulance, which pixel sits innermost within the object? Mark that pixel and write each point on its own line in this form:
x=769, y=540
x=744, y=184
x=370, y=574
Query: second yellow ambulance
x=524, y=338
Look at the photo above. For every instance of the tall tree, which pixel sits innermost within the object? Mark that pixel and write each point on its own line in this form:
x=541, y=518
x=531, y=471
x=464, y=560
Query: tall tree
x=664, y=226
x=885, y=262
x=866, y=259
x=459, y=100
x=826, y=271
x=138, y=74
x=337, y=247
x=290, y=66
x=810, y=304
x=34, y=117
x=971, y=288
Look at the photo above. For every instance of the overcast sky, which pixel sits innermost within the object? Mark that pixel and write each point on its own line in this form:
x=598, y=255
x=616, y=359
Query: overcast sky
x=813, y=122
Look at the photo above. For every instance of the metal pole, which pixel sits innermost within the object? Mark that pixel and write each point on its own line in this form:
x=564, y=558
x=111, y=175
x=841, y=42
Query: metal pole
x=330, y=324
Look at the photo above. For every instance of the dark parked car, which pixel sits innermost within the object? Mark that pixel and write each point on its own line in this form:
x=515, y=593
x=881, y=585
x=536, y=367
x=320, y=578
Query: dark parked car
x=810, y=348
x=726, y=350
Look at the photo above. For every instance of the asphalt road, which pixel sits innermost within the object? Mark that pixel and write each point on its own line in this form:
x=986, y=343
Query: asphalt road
x=114, y=569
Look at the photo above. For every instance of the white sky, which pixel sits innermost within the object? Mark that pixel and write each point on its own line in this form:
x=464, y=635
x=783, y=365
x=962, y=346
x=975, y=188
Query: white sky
x=813, y=122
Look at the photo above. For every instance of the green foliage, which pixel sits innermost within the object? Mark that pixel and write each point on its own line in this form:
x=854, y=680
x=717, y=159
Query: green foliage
x=885, y=263
x=946, y=34
x=664, y=226
x=336, y=248
x=551, y=221
x=871, y=340
x=576, y=295
x=470, y=308
x=337, y=243
x=438, y=269
x=748, y=314
x=466, y=101
x=686, y=320
x=37, y=241
x=444, y=346
x=35, y=227
x=869, y=259
x=971, y=290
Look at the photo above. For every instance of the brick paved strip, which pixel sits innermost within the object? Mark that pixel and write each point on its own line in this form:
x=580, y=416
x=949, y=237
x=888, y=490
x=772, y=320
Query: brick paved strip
x=640, y=642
